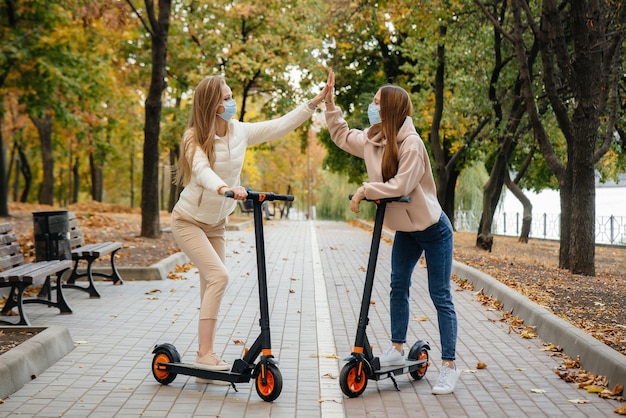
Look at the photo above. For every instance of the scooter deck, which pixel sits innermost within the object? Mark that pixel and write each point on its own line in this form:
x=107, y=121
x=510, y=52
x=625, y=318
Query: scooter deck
x=409, y=366
x=190, y=370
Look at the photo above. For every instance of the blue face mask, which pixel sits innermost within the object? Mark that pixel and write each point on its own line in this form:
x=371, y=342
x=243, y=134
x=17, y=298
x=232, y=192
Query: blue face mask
x=230, y=108
x=373, y=112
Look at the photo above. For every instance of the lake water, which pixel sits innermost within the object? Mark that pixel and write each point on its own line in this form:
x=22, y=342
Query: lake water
x=610, y=200
x=610, y=215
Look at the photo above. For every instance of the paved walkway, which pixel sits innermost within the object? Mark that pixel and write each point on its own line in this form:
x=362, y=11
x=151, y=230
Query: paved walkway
x=315, y=275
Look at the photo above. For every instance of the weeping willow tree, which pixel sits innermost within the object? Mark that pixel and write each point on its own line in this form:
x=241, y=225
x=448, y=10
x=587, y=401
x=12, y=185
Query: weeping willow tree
x=333, y=203
x=469, y=192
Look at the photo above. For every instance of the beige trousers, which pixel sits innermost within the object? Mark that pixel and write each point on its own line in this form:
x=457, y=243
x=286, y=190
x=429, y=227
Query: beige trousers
x=205, y=245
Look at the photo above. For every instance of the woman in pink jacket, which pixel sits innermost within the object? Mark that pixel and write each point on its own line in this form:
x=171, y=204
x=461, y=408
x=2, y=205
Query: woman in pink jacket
x=211, y=158
x=398, y=165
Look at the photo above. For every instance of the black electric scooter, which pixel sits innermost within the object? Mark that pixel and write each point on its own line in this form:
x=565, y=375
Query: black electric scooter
x=166, y=363
x=361, y=364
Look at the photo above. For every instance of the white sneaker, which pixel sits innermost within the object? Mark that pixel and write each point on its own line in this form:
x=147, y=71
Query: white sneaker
x=391, y=357
x=447, y=380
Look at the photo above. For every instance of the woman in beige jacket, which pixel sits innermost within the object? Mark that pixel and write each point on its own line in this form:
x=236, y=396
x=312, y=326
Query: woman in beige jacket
x=398, y=165
x=211, y=158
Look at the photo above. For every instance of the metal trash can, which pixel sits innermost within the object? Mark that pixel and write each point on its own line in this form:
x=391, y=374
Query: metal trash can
x=52, y=235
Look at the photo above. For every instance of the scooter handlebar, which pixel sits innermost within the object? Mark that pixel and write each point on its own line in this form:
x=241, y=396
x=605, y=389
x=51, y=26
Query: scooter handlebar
x=405, y=199
x=263, y=196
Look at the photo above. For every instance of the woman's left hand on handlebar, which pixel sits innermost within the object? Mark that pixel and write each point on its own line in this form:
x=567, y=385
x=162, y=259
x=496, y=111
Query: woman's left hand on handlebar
x=240, y=192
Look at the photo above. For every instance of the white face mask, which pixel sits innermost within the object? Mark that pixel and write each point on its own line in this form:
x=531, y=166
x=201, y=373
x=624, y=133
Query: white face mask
x=230, y=108
x=373, y=112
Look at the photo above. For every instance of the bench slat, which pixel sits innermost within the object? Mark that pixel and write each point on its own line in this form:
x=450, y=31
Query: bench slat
x=35, y=271
x=96, y=250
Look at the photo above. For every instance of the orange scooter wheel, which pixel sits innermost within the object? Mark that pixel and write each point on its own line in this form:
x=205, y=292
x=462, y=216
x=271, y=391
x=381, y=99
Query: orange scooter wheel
x=421, y=372
x=268, y=382
x=165, y=353
x=353, y=379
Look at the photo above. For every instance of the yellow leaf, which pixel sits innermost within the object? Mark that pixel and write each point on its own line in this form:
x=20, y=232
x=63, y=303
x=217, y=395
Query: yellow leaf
x=481, y=365
x=594, y=389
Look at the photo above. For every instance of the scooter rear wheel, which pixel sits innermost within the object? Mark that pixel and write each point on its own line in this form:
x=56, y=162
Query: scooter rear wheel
x=165, y=353
x=270, y=388
x=353, y=379
x=422, y=354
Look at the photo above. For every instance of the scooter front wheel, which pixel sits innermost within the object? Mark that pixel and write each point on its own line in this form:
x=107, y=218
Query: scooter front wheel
x=164, y=353
x=353, y=378
x=419, y=352
x=268, y=382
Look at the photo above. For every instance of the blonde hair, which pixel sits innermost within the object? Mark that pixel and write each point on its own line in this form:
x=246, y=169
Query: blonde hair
x=201, y=127
x=395, y=106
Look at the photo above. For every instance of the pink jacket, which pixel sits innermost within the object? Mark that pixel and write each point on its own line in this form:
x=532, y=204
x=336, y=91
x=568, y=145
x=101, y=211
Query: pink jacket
x=414, y=177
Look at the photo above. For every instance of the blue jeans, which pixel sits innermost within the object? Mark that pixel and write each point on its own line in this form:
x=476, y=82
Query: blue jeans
x=436, y=243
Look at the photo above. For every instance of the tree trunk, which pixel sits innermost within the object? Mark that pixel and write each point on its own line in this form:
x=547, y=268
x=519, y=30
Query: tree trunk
x=75, y=181
x=15, y=157
x=450, y=189
x=132, y=176
x=28, y=177
x=437, y=148
x=150, y=223
x=44, y=128
x=492, y=192
x=582, y=232
x=4, y=178
x=565, y=195
x=96, y=178
x=175, y=189
x=527, y=216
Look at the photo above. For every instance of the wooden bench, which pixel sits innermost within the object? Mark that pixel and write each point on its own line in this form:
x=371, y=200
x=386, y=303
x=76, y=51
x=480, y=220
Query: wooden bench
x=267, y=213
x=18, y=276
x=90, y=253
x=243, y=208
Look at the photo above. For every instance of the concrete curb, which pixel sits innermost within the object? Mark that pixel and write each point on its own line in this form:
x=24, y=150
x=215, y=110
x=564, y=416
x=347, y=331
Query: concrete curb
x=158, y=271
x=34, y=356
x=595, y=356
